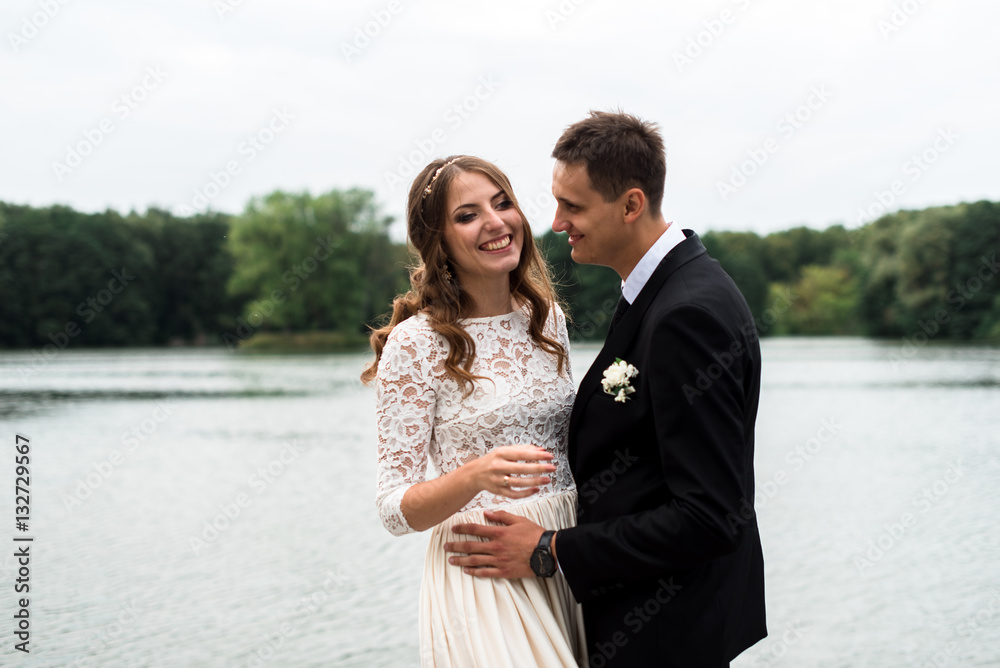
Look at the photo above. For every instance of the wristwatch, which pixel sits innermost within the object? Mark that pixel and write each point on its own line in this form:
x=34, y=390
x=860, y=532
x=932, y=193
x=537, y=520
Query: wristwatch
x=542, y=561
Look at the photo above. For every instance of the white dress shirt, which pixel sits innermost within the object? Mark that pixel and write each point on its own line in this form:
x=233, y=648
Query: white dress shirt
x=636, y=281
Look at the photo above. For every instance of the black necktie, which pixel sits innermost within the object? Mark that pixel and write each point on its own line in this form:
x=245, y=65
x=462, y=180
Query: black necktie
x=619, y=313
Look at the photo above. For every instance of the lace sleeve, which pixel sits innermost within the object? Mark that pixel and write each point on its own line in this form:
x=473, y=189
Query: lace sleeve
x=405, y=400
x=562, y=335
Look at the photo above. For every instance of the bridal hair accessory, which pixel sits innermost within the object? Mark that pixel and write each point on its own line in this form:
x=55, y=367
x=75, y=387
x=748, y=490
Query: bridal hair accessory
x=427, y=190
x=618, y=380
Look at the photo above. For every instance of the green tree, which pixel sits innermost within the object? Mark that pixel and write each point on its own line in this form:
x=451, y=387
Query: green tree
x=879, y=308
x=741, y=255
x=932, y=271
x=923, y=258
x=589, y=292
x=824, y=302
x=193, y=265
x=973, y=273
x=70, y=278
x=783, y=254
x=312, y=263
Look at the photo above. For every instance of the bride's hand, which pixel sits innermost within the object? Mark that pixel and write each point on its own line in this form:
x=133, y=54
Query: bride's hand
x=514, y=471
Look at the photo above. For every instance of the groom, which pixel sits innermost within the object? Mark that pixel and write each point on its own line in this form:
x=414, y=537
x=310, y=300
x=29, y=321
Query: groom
x=666, y=558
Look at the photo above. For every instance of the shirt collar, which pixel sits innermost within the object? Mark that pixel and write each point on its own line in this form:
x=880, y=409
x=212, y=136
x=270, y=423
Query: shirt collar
x=636, y=281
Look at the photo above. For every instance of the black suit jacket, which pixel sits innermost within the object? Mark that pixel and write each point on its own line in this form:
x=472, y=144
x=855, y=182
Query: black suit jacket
x=666, y=558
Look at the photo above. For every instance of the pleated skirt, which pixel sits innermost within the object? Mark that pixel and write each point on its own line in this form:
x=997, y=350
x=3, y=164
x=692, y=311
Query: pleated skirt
x=470, y=622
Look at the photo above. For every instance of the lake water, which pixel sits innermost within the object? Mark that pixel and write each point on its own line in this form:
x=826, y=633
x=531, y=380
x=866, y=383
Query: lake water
x=198, y=508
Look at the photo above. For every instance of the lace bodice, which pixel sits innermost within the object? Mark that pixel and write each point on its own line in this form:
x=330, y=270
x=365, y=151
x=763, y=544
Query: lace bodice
x=427, y=426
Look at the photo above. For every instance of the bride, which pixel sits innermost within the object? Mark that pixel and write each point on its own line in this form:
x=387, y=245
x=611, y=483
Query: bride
x=474, y=394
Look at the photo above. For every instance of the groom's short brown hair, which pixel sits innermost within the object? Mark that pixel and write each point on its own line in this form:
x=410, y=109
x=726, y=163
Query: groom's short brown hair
x=620, y=152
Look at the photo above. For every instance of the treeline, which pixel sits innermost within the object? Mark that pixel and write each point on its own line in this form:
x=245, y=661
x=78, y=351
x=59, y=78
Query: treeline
x=288, y=263
x=69, y=278
x=294, y=263
x=932, y=271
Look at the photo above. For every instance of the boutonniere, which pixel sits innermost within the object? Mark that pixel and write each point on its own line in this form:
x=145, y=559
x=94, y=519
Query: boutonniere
x=618, y=380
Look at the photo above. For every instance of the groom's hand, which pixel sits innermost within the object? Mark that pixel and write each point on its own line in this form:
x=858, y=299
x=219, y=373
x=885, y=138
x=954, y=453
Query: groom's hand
x=506, y=553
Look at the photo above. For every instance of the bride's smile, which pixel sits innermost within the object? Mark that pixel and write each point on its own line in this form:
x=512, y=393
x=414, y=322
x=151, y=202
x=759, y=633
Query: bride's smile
x=484, y=233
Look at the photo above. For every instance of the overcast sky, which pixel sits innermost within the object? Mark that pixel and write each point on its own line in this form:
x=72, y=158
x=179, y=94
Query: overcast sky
x=775, y=112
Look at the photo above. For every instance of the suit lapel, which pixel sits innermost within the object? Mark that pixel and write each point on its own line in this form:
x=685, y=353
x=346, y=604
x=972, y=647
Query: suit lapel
x=625, y=329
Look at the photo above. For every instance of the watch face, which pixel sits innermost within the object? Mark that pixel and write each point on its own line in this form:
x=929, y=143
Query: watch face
x=542, y=564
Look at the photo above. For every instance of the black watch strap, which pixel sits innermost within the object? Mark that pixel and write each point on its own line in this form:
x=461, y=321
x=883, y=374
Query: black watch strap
x=545, y=542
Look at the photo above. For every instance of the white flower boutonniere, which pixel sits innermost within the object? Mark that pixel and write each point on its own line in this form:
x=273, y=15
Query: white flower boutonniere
x=618, y=380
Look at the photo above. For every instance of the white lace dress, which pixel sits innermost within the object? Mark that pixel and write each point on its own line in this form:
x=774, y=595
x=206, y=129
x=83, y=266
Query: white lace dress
x=427, y=427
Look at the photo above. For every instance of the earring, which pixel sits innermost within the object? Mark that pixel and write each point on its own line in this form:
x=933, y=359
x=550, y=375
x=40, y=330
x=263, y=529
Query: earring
x=446, y=274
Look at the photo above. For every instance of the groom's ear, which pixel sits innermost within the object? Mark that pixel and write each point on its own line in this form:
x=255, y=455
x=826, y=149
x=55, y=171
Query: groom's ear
x=635, y=204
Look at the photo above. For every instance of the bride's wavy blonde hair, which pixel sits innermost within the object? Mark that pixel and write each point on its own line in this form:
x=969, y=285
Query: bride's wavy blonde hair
x=434, y=292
